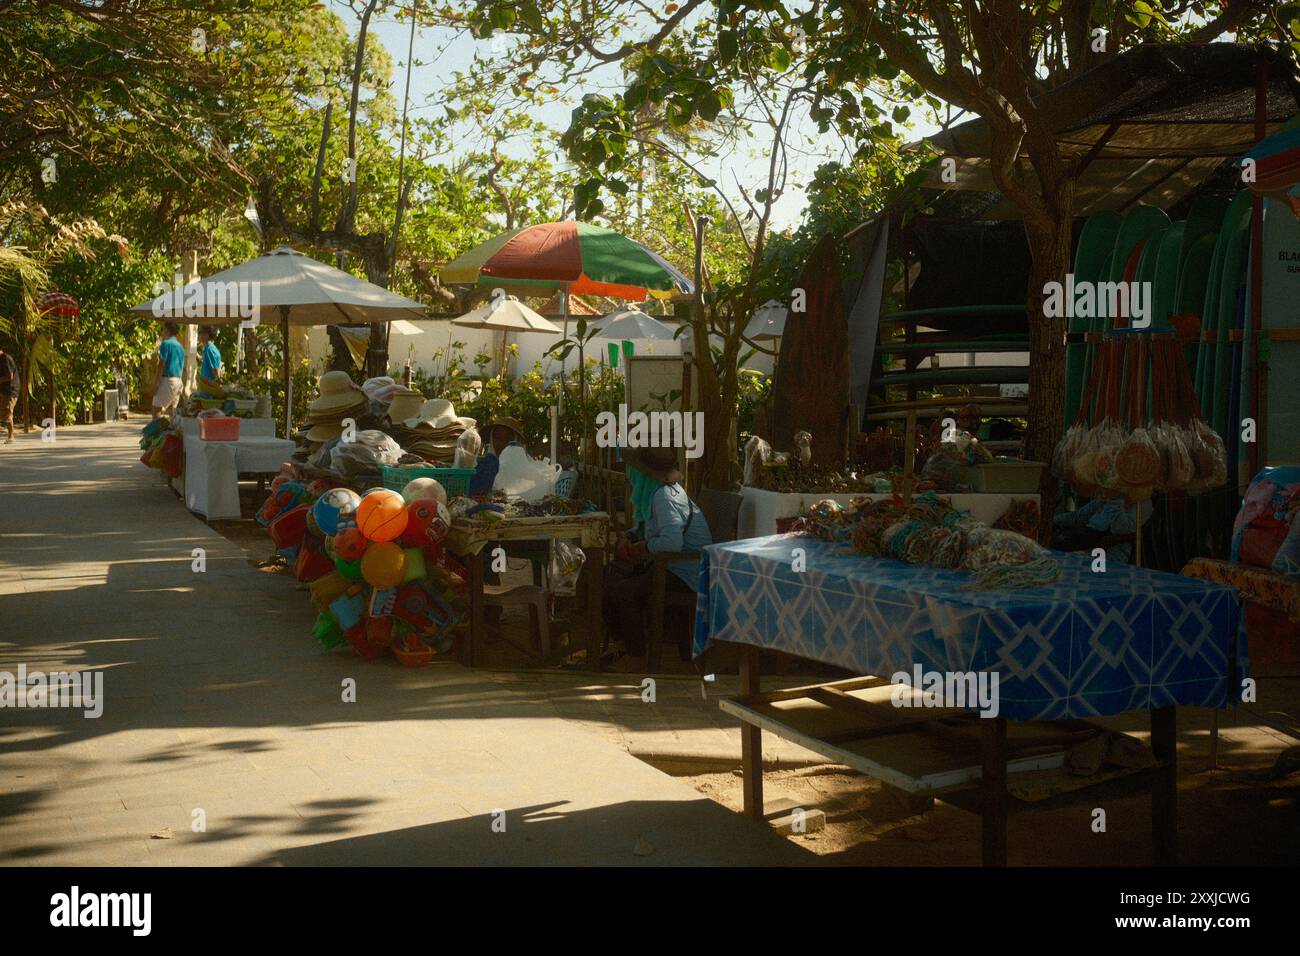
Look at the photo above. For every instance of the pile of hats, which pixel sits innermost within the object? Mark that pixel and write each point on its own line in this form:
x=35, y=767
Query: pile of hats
x=390, y=398
x=339, y=398
x=432, y=432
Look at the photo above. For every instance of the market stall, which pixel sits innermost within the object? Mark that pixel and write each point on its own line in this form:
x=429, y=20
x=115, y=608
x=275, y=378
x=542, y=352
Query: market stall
x=1055, y=640
x=209, y=484
x=468, y=537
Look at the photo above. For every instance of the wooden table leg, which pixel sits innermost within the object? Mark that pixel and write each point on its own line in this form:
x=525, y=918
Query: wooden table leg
x=595, y=566
x=751, y=736
x=476, y=623
x=993, y=784
x=1164, y=796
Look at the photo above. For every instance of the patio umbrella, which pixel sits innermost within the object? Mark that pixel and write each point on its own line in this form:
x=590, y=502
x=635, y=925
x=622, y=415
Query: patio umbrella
x=768, y=322
x=632, y=324
x=302, y=290
x=506, y=315
x=1277, y=163
x=65, y=307
x=574, y=257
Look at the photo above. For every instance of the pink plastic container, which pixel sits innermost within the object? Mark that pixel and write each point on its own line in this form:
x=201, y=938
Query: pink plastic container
x=219, y=429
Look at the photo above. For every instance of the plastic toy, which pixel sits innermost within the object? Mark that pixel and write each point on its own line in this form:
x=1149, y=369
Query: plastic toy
x=381, y=515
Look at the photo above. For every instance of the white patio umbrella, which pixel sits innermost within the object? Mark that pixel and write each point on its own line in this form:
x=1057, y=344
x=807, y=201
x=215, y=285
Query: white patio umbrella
x=632, y=324
x=767, y=322
x=506, y=314
x=300, y=289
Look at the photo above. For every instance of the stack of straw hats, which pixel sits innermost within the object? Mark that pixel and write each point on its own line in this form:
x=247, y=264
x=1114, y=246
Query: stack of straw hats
x=339, y=398
x=431, y=432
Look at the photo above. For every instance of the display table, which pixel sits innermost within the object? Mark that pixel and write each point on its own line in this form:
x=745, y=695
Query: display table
x=212, y=468
x=469, y=536
x=1089, y=645
x=760, y=510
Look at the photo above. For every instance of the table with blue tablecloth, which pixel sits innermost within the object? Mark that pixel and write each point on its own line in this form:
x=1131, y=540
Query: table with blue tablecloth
x=1089, y=645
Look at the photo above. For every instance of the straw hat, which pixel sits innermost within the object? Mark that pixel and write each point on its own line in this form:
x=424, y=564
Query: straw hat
x=337, y=393
x=404, y=405
x=514, y=424
x=436, y=413
x=658, y=463
x=324, y=431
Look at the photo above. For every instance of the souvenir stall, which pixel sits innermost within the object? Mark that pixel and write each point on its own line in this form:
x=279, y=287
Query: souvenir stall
x=1037, y=643
x=375, y=514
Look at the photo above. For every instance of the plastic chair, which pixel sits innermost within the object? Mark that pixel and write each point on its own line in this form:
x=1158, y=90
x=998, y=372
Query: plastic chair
x=537, y=601
x=721, y=511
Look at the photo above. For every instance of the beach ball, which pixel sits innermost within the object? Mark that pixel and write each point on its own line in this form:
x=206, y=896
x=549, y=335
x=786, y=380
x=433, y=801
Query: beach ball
x=427, y=523
x=381, y=515
x=424, y=488
x=350, y=544
x=336, y=509
x=383, y=565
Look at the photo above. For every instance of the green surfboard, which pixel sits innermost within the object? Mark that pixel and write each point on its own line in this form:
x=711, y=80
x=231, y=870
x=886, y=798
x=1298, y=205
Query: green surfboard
x=1091, y=260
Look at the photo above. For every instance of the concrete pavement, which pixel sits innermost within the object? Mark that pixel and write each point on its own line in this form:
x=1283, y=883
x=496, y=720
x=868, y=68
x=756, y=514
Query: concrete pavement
x=225, y=738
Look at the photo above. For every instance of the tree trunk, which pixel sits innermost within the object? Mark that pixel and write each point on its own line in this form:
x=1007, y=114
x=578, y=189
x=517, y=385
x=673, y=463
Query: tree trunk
x=1051, y=260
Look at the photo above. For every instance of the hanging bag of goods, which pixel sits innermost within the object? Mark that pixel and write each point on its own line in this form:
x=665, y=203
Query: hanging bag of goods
x=1209, y=457
x=1110, y=433
x=1137, y=462
x=1177, y=469
x=1076, y=455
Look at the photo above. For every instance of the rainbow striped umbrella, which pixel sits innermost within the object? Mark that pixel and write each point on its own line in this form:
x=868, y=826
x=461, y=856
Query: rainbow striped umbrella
x=1277, y=161
x=581, y=259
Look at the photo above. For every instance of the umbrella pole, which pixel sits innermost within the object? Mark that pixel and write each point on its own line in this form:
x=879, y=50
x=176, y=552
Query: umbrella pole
x=288, y=376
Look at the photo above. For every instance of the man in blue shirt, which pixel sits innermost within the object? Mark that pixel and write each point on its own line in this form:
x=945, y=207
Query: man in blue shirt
x=667, y=520
x=210, y=357
x=171, y=365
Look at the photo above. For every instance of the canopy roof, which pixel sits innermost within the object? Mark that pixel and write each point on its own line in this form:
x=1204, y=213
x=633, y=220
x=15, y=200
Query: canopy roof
x=1150, y=125
x=315, y=294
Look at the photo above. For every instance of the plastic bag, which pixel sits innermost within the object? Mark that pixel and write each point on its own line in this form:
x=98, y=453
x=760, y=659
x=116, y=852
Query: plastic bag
x=521, y=477
x=371, y=451
x=567, y=560
x=468, y=446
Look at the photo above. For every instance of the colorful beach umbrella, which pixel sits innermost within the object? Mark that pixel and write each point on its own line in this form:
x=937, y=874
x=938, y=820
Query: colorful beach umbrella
x=1277, y=161
x=66, y=308
x=579, y=258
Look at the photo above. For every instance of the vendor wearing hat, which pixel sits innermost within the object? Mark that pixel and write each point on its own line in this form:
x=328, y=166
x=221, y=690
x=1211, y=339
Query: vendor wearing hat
x=500, y=435
x=667, y=520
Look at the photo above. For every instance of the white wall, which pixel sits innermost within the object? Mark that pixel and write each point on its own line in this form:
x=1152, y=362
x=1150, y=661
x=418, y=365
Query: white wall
x=435, y=334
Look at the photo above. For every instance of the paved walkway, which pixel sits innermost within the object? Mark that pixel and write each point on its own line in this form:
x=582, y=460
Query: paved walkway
x=221, y=709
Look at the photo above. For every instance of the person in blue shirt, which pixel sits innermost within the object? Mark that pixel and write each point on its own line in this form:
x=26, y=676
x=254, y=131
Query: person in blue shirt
x=171, y=366
x=667, y=520
x=499, y=435
x=209, y=357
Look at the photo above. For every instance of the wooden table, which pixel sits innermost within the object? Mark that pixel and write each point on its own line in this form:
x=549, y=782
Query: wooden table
x=965, y=760
x=469, y=536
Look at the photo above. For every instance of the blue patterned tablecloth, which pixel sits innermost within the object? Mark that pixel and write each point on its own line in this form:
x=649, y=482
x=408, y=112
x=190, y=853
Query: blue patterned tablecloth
x=1089, y=645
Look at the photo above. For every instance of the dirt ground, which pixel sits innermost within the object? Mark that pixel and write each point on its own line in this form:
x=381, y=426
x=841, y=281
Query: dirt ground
x=1227, y=816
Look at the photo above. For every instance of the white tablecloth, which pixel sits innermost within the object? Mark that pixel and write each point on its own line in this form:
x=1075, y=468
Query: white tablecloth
x=760, y=510
x=212, y=468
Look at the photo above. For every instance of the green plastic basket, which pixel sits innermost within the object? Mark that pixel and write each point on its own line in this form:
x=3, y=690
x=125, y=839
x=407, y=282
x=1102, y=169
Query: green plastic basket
x=454, y=480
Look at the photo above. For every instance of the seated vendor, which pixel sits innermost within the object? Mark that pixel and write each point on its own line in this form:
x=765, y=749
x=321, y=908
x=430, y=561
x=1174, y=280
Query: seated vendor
x=667, y=520
x=499, y=435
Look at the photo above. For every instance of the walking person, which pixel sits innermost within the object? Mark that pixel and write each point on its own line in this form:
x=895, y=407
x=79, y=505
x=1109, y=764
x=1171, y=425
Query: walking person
x=171, y=365
x=8, y=392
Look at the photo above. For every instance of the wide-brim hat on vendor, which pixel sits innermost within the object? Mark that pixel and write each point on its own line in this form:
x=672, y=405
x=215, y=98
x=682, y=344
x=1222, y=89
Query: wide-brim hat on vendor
x=658, y=463
x=337, y=393
x=514, y=424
